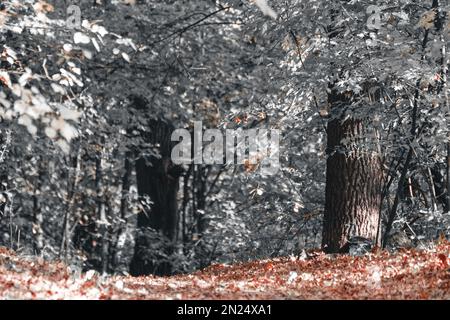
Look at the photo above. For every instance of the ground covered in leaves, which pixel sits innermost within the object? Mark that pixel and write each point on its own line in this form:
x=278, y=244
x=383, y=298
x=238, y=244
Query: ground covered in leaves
x=406, y=274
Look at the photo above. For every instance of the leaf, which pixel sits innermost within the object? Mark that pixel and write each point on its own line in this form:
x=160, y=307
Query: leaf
x=126, y=57
x=99, y=29
x=268, y=266
x=43, y=7
x=95, y=43
x=67, y=47
x=292, y=277
x=265, y=8
x=427, y=19
x=443, y=259
x=80, y=37
x=5, y=79
x=3, y=18
x=69, y=114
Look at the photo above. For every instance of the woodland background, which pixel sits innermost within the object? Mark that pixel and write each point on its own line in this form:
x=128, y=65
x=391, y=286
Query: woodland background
x=80, y=108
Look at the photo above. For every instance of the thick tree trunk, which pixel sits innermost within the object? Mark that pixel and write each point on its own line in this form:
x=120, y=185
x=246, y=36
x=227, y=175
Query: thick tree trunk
x=158, y=179
x=353, y=180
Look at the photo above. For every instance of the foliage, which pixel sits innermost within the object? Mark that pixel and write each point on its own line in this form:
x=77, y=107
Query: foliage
x=68, y=127
x=409, y=274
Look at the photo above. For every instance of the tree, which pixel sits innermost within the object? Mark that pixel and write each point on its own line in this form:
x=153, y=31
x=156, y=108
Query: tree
x=68, y=89
x=354, y=178
x=158, y=183
x=3, y=172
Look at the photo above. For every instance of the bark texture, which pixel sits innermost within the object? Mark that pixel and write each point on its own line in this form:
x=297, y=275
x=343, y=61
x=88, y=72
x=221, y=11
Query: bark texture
x=353, y=179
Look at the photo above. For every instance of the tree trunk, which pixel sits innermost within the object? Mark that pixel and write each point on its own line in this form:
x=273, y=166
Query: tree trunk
x=4, y=145
x=439, y=186
x=118, y=248
x=38, y=219
x=447, y=174
x=101, y=216
x=74, y=179
x=158, y=179
x=353, y=179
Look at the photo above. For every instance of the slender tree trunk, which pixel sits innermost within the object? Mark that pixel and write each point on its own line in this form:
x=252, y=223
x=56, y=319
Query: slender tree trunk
x=445, y=64
x=354, y=179
x=200, y=199
x=184, y=207
x=38, y=240
x=407, y=165
x=3, y=195
x=101, y=212
x=125, y=186
x=447, y=174
x=121, y=233
x=5, y=141
x=105, y=238
x=74, y=177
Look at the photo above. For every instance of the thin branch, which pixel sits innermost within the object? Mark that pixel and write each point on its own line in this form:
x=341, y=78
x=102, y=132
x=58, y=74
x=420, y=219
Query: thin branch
x=190, y=26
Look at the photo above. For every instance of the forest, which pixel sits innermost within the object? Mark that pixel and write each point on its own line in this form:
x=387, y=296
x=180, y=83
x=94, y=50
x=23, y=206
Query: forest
x=224, y=149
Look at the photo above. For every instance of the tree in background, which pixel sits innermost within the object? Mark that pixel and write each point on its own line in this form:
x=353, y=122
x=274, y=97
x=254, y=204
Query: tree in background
x=158, y=183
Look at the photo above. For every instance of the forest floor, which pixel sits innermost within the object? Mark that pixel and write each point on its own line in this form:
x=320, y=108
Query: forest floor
x=406, y=274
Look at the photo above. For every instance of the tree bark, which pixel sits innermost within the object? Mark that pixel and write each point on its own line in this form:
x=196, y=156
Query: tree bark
x=158, y=178
x=38, y=219
x=74, y=178
x=354, y=179
x=3, y=175
x=119, y=244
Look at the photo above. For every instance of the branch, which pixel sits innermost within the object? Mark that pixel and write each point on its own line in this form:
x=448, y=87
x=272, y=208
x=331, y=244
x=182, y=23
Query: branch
x=192, y=25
